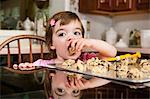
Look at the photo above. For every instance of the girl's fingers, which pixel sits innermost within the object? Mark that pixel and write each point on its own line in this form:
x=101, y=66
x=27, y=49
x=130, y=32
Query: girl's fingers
x=76, y=84
x=80, y=45
x=79, y=84
x=52, y=74
x=72, y=83
x=68, y=85
x=74, y=42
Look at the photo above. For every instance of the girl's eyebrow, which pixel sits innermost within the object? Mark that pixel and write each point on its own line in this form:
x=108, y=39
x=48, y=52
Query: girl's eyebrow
x=79, y=29
x=63, y=29
x=59, y=30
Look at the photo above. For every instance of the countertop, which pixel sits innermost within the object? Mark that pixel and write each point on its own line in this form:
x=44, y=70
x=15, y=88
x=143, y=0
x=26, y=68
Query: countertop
x=5, y=34
x=24, y=50
x=129, y=50
x=133, y=50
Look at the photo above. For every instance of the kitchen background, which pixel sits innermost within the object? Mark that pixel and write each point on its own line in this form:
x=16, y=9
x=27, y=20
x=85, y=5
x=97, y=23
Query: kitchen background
x=13, y=11
x=22, y=16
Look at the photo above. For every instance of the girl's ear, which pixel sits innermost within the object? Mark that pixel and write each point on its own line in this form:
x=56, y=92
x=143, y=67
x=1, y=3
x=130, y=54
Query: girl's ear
x=52, y=47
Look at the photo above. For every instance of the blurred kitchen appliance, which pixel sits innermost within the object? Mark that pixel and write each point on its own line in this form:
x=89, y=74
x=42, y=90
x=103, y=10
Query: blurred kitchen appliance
x=135, y=38
x=40, y=17
x=145, y=38
x=121, y=44
x=86, y=26
x=111, y=36
x=27, y=24
x=41, y=4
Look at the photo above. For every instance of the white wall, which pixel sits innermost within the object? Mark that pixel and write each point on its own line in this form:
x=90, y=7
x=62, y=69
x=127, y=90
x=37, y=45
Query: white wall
x=125, y=23
x=98, y=25
x=58, y=5
x=134, y=21
x=122, y=23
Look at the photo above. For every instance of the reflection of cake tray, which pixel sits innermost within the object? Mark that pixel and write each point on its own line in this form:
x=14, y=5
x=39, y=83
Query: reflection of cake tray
x=109, y=76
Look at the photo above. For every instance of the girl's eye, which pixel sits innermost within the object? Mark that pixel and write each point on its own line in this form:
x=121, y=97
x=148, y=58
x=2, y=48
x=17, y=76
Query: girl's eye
x=77, y=33
x=60, y=91
x=62, y=34
x=76, y=93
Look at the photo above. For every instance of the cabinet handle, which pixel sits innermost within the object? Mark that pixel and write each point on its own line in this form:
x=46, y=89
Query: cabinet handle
x=102, y=1
x=130, y=4
x=125, y=1
x=109, y=4
x=117, y=3
x=139, y=1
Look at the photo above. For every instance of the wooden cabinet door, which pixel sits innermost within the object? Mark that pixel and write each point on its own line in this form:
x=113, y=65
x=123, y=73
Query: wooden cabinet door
x=87, y=5
x=105, y=5
x=143, y=4
x=114, y=7
x=123, y=5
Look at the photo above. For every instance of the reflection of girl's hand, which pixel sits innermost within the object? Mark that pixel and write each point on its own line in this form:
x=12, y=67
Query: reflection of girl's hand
x=85, y=84
x=78, y=83
x=82, y=83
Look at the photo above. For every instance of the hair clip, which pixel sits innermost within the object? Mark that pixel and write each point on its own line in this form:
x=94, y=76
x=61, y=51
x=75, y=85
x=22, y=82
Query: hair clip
x=52, y=22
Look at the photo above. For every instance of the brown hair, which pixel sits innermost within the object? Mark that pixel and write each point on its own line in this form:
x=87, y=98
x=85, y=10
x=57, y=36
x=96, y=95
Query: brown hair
x=66, y=17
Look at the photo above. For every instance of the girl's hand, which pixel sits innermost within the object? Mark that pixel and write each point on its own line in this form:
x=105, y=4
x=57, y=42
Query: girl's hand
x=79, y=44
x=105, y=49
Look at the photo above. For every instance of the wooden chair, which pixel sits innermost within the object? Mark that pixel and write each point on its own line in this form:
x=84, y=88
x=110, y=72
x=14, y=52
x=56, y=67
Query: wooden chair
x=17, y=50
x=9, y=52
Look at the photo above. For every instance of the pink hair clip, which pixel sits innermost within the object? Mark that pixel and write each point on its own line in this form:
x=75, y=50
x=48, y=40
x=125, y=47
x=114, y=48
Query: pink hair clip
x=52, y=22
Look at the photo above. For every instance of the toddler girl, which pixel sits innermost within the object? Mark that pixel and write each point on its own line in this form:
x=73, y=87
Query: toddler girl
x=65, y=31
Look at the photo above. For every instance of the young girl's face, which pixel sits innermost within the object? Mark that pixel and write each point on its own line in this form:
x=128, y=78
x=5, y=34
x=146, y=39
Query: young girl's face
x=62, y=37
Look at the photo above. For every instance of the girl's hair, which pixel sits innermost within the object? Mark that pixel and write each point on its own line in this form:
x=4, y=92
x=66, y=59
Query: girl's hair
x=65, y=17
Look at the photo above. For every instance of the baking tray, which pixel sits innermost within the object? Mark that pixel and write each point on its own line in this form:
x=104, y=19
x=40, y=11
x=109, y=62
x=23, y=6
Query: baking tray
x=109, y=75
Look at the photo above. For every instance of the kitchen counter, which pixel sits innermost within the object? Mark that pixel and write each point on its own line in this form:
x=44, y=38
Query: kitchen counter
x=5, y=34
x=24, y=50
x=133, y=50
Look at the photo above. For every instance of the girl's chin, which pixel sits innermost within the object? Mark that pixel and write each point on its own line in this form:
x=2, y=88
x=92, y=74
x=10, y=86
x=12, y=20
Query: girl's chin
x=72, y=57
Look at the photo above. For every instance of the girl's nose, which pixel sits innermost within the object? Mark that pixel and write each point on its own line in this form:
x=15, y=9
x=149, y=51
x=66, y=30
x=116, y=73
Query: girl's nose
x=70, y=38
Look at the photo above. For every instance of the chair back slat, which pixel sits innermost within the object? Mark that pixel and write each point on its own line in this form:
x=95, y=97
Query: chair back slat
x=8, y=56
x=41, y=49
x=19, y=51
x=31, y=54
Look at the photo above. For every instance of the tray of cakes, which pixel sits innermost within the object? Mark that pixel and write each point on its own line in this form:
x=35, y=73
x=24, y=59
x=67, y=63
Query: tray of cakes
x=127, y=69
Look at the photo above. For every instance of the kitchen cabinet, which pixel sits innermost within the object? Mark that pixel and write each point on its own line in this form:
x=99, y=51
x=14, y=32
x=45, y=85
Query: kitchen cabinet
x=143, y=4
x=113, y=7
